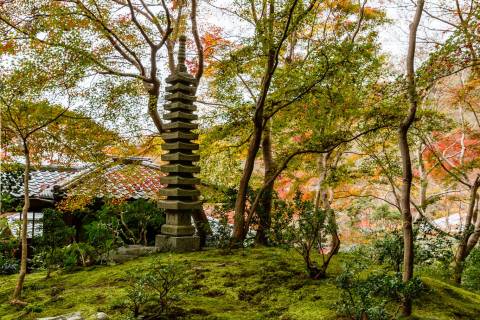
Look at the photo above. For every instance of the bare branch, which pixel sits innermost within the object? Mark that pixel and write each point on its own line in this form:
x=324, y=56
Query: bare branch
x=198, y=43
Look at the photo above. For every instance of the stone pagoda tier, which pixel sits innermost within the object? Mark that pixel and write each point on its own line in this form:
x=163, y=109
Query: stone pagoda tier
x=179, y=197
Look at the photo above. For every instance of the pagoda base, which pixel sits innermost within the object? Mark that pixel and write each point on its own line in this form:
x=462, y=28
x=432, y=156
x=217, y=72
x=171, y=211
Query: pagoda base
x=165, y=242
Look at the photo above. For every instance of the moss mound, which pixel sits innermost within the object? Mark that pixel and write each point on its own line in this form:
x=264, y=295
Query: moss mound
x=263, y=283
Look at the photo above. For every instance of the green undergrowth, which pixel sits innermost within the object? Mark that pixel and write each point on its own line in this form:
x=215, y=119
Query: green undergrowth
x=263, y=283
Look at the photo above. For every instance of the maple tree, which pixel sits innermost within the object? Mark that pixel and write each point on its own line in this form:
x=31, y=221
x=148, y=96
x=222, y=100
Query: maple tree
x=294, y=96
x=33, y=127
x=316, y=64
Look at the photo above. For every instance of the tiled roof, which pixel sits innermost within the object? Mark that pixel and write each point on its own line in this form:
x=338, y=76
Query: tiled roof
x=122, y=181
x=133, y=179
x=41, y=181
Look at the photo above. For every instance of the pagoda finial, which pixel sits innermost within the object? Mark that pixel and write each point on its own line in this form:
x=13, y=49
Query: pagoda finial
x=181, y=54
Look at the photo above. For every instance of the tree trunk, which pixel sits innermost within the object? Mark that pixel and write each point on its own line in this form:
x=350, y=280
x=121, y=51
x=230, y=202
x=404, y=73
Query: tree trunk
x=239, y=223
x=272, y=52
x=335, y=241
x=202, y=225
x=23, y=260
x=469, y=237
x=239, y=228
x=476, y=211
x=321, y=178
x=406, y=160
x=322, y=200
x=153, y=108
x=266, y=212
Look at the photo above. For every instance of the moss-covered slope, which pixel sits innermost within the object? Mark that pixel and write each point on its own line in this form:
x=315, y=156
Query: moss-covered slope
x=249, y=284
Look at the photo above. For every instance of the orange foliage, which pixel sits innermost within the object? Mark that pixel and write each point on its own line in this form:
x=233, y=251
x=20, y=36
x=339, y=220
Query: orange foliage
x=450, y=148
x=8, y=47
x=212, y=41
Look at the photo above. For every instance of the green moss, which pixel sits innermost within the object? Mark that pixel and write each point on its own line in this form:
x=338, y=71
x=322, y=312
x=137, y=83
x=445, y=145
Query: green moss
x=262, y=283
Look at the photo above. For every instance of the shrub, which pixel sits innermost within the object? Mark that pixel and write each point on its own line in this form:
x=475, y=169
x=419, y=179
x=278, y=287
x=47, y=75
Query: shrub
x=282, y=217
x=221, y=231
x=137, y=293
x=136, y=221
x=369, y=297
x=56, y=234
x=388, y=249
x=159, y=288
x=76, y=254
x=430, y=248
x=103, y=237
x=9, y=247
x=8, y=265
x=307, y=234
x=471, y=273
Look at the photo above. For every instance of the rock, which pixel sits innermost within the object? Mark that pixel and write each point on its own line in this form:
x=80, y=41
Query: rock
x=101, y=316
x=71, y=316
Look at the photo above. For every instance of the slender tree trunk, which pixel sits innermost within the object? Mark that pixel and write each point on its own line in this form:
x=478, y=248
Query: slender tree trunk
x=202, y=225
x=239, y=228
x=323, y=200
x=152, y=108
x=474, y=237
x=469, y=237
x=239, y=223
x=335, y=240
x=272, y=53
x=408, y=252
x=476, y=210
x=266, y=212
x=321, y=179
x=170, y=45
x=23, y=261
x=423, y=178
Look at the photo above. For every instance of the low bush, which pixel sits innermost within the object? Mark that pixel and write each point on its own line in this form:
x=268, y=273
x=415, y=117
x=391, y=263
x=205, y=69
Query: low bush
x=388, y=249
x=307, y=234
x=156, y=291
x=103, y=237
x=471, y=273
x=372, y=296
x=431, y=248
x=221, y=231
x=8, y=265
x=48, y=247
x=137, y=222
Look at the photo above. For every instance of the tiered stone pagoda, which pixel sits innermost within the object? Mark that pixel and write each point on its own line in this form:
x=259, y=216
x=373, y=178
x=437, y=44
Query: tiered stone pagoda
x=181, y=195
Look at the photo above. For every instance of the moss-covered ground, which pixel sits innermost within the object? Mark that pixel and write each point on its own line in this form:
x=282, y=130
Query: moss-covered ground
x=261, y=283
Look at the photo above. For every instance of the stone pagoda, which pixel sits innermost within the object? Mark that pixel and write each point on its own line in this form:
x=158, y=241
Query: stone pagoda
x=180, y=197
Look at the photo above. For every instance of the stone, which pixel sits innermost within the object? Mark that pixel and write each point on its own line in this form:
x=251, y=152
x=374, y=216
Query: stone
x=179, y=125
x=178, y=105
x=180, y=168
x=179, y=135
x=180, y=146
x=179, y=192
x=181, y=77
x=174, y=230
x=180, y=156
x=180, y=205
x=180, y=86
x=180, y=96
x=179, y=180
x=177, y=244
x=131, y=252
x=70, y=316
x=181, y=195
x=180, y=115
x=101, y=316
